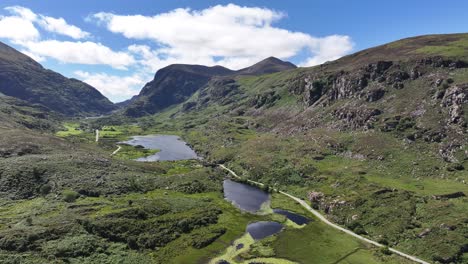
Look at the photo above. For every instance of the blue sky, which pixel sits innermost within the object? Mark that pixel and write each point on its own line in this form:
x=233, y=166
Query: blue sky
x=117, y=45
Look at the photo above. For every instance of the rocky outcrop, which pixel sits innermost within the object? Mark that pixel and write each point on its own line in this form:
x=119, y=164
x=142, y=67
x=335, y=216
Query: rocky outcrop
x=454, y=100
x=356, y=117
x=267, y=99
x=449, y=196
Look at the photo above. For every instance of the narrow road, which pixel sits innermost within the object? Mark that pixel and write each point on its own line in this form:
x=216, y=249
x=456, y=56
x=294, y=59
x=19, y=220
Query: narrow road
x=326, y=221
x=117, y=150
x=97, y=135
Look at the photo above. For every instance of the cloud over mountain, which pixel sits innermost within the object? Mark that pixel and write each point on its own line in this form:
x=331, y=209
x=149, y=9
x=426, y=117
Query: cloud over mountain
x=231, y=35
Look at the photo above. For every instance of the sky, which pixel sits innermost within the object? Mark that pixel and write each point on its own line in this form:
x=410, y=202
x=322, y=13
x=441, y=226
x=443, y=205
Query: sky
x=118, y=45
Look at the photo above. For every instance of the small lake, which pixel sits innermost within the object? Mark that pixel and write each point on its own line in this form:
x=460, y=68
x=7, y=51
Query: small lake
x=296, y=218
x=244, y=196
x=260, y=230
x=171, y=147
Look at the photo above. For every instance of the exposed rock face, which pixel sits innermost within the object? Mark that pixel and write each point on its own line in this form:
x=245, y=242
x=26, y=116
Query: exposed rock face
x=324, y=90
x=357, y=117
x=374, y=95
x=424, y=233
x=454, y=99
x=23, y=78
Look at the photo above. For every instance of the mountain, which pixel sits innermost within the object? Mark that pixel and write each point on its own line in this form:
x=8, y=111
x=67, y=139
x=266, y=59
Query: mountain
x=380, y=134
x=24, y=78
x=266, y=66
x=176, y=83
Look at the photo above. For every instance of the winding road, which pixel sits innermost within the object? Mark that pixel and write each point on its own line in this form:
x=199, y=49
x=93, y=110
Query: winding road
x=326, y=221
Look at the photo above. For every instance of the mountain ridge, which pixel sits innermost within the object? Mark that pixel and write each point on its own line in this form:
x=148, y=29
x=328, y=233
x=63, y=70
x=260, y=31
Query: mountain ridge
x=26, y=79
x=176, y=83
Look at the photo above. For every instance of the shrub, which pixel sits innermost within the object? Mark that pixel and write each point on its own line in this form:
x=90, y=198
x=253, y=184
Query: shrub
x=385, y=251
x=69, y=196
x=76, y=246
x=455, y=166
x=45, y=189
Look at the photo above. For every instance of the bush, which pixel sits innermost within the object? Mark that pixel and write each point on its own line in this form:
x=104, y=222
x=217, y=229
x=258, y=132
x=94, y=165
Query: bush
x=455, y=166
x=382, y=241
x=45, y=189
x=385, y=251
x=76, y=246
x=69, y=196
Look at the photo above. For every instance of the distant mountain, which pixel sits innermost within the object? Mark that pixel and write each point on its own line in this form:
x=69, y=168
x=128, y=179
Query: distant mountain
x=24, y=78
x=269, y=65
x=176, y=83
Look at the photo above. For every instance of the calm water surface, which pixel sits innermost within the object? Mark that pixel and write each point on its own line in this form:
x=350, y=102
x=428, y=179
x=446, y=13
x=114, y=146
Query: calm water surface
x=259, y=230
x=171, y=147
x=244, y=196
x=296, y=218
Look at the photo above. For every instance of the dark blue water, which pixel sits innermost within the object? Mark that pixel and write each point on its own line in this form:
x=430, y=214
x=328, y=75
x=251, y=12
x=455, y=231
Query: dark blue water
x=259, y=230
x=296, y=218
x=244, y=196
x=171, y=147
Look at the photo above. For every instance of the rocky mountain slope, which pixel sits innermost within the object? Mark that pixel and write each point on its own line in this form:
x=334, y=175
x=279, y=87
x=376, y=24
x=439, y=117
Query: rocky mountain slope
x=15, y=113
x=416, y=87
x=176, y=83
x=24, y=78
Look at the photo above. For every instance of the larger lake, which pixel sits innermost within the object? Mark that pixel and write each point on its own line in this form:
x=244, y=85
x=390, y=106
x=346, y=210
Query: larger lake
x=171, y=147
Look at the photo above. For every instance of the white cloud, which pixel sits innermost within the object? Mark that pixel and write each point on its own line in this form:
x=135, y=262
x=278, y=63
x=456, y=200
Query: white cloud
x=17, y=29
x=51, y=24
x=22, y=12
x=60, y=26
x=230, y=35
x=115, y=87
x=80, y=52
x=151, y=61
x=328, y=49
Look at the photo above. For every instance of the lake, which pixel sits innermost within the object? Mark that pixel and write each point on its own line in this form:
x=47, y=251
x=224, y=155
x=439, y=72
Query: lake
x=244, y=196
x=296, y=218
x=260, y=230
x=171, y=147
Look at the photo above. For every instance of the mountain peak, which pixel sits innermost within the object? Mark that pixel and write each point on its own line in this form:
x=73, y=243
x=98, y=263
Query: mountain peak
x=266, y=66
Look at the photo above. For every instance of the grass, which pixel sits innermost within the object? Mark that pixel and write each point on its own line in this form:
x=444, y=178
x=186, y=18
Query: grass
x=232, y=253
x=128, y=152
x=320, y=243
x=71, y=129
x=457, y=49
